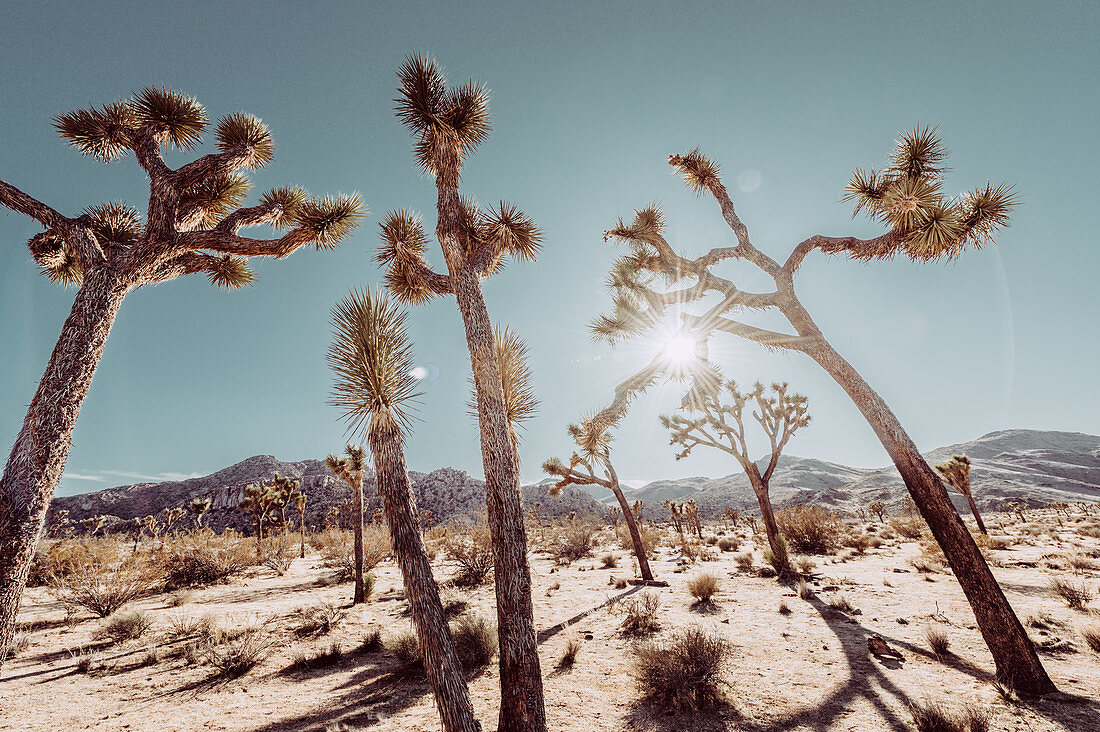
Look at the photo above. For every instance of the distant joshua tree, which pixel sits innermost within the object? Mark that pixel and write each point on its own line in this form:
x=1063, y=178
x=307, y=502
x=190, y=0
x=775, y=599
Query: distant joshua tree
x=191, y=227
x=93, y=524
x=448, y=124
x=299, y=498
x=593, y=439
x=350, y=470
x=722, y=426
x=956, y=472
x=198, y=508
x=372, y=358
x=923, y=224
x=879, y=509
x=172, y=517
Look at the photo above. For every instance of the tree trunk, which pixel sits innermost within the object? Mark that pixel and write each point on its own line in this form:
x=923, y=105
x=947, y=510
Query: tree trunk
x=38, y=457
x=635, y=535
x=441, y=663
x=357, y=527
x=1014, y=655
x=302, y=537
x=763, y=497
x=977, y=516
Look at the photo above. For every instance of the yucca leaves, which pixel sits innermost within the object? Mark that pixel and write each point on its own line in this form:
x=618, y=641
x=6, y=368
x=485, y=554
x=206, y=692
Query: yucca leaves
x=179, y=118
x=918, y=154
x=466, y=114
x=985, y=210
x=330, y=219
x=520, y=402
x=867, y=189
x=421, y=94
x=286, y=202
x=115, y=224
x=698, y=171
x=402, y=236
x=244, y=133
x=101, y=133
x=372, y=358
x=512, y=230
x=230, y=272
x=214, y=197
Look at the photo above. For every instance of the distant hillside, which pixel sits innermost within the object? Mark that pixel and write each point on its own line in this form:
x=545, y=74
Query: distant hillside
x=447, y=493
x=1009, y=466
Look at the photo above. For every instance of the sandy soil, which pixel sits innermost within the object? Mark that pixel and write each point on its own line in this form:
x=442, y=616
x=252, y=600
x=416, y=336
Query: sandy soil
x=807, y=670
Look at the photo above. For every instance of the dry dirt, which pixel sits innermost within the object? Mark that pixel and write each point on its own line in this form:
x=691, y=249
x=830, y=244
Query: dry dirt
x=806, y=670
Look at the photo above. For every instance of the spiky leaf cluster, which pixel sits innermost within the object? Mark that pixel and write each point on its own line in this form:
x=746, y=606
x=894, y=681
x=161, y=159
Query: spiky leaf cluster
x=907, y=196
x=244, y=134
x=208, y=201
x=520, y=403
x=285, y=202
x=372, y=358
x=956, y=473
x=230, y=272
x=169, y=114
x=52, y=254
x=330, y=219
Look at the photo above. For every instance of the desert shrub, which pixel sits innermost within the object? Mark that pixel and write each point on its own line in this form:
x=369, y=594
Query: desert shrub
x=649, y=534
x=475, y=640
x=640, y=614
x=810, y=529
x=203, y=558
x=187, y=626
x=711, y=540
x=1091, y=635
x=470, y=545
x=405, y=647
x=573, y=540
x=318, y=619
x=372, y=641
x=858, y=541
x=57, y=559
x=908, y=527
x=783, y=608
x=936, y=717
x=277, y=553
x=1039, y=620
x=778, y=558
x=937, y=640
x=337, y=548
x=1080, y=563
x=323, y=658
x=803, y=590
x=177, y=598
x=609, y=560
x=684, y=671
x=728, y=544
x=572, y=649
x=704, y=587
x=124, y=626
x=236, y=652
x=87, y=660
x=805, y=565
x=744, y=561
x=840, y=602
x=19, y=643
x=1076, y=596
x=103, y=581
x=923, y=565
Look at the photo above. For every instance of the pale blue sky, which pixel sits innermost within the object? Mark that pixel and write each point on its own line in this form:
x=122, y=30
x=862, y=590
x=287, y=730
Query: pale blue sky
x=588, y=101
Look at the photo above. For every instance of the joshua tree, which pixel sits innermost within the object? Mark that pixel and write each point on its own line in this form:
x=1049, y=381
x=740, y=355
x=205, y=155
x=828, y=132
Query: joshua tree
x=93, y=524
x=372, y=358
x=676, y=515
x=198, y=508
x=722, y=426
x=956, y=472
x=107, y=250
x=283, y=488
x=171, y=517
x=151, y=525
x=593, y=439
x=879, y=509
x=692, y=518
x=350, y=470
x=298, y=497
x=448, y=124
x=922, y=225
x=258, y=501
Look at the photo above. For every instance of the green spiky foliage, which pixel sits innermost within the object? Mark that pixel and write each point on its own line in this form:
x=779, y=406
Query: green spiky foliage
x=592, y=437
x=520, y=402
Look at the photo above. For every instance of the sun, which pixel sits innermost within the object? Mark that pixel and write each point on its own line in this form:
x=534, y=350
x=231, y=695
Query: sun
x=680, y=349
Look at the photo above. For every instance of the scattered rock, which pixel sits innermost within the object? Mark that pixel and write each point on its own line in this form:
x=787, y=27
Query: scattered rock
x=878, y=647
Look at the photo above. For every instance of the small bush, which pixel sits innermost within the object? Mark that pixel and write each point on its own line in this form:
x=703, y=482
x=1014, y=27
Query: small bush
x=405, y=647
x=859, y=542
x=908, y=527
x=337, y=548
x=470, y=545
x=239, y=651
x=372, y=641
x=475, y=641
x=1091, y=636
x=124, y=626
x=937, y=640
x=783, y=609
x=743, y=561
x=805, y=565
x=19, y=643
x=324, y=658
x=640, y=614
x=1040, y=620
x=704, y=587
x=609, y=561
x=840, y=602
x=203, y=558
x=649, y=534
x=936, y=717
x=1076, y=596
x=1080, y=563
x=684, y=671
x=779, y=558
x=573, y=540
x=572, y=649
x=728, y=544
x=803, y=590
x=278, y=553
x=101, y=584
x=318, y=619
x=177, y=598
x=810, y=529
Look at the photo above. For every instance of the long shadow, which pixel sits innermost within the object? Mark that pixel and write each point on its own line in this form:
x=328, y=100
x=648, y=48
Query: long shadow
x=548, y=633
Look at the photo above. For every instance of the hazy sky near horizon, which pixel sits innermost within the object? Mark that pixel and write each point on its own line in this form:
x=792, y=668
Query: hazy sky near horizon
x=588, y=100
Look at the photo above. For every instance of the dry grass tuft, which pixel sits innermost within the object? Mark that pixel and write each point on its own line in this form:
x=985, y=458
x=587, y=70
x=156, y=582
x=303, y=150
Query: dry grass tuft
x=1091, y=635
x=685, y=671
x=124, y=626
x=318, y=619
x=475, y=641
x=704, y=587
x=640, y=614
x=1076, y=596
x=937, y=717
x=937, y=640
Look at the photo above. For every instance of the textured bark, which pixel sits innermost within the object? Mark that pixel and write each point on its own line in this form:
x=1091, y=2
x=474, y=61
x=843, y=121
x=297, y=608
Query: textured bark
x=763, y=497
x=632, y=525
x=977, y=516
x=1014, y=655
x=441, y=664
x=521, y=697
x=37, y=460
x=357, y=528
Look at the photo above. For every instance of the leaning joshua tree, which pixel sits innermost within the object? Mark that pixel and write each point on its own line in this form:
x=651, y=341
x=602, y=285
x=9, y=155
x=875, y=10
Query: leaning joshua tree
x=922, y=225
x=372, y=358
x=956, y=472
x=593, y=439
x=350, y=470
x=448, y=124
x=711, y=423
x=192, y=226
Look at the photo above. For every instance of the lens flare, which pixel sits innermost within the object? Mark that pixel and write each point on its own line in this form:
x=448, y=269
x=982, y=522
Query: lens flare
x=680, y=349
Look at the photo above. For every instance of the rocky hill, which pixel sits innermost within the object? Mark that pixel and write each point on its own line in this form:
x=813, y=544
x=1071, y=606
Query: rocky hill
x=447, y=493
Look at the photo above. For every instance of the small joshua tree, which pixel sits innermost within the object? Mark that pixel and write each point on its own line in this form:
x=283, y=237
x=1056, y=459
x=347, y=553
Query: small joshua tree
x=198, y=508
x=258, y=502
x=923, y=224
x=692, y=518
x=372, y=358
x=298, y=498
x=191, y=226
x=676, y=515
x=350, y=470
x=878, y=508
x=93, y=524
x=956, y=472
x=593, y=440
x=172, y=517
x=711, y=423
x=448, y=124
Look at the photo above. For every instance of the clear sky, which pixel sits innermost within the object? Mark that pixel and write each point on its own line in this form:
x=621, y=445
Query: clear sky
x=588, y=100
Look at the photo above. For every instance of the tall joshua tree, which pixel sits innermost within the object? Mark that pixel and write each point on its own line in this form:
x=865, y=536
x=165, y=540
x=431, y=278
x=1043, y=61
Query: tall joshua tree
x=956, y=472
x=711, y=423
x=447, y=125
x=372, y=358
x=192, y=226
x=350, y=470
x=593, y=439
x=922, y=225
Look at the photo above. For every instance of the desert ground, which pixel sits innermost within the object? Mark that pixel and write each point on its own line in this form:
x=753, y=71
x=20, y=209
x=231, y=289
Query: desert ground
x=800, y=656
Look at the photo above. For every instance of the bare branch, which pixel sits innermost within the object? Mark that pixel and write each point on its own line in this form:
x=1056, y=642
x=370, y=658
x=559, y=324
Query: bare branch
x=17, y=200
